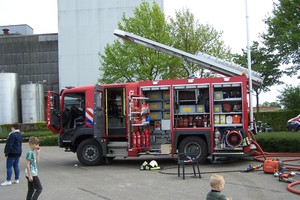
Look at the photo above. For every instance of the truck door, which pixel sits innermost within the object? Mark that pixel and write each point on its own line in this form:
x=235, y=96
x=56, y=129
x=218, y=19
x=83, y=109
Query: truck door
x=53, y=112
x=98, y=112
x=115, y=111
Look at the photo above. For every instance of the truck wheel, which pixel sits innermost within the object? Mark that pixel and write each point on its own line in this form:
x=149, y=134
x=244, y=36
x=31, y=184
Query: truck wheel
x=89, y=153
x=194, y=145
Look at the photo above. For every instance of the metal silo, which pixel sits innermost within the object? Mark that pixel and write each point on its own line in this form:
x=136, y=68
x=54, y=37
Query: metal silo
x=32, y=98
x=9, y=110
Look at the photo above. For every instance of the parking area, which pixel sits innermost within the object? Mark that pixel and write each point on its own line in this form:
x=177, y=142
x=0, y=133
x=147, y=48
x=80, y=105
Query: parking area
x=63, y=178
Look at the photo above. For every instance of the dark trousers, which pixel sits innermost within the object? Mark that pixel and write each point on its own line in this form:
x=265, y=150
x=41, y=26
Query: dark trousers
x=34, y=188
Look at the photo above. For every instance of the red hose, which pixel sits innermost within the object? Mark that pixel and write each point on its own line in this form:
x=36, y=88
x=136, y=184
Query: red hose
x=289, y=187
x=266, y=154
x=260, y=149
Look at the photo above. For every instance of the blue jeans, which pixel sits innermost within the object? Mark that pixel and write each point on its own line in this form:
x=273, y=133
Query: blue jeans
x=12, y=162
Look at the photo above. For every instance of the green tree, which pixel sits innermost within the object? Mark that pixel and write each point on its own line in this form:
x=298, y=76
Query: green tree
x=290, y=97
x=270, y=104
x=125, y=62
x=263, y=62
x=191, y=36
x=283, y=36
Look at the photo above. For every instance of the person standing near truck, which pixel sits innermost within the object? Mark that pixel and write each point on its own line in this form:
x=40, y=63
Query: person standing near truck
x=13, y=151
x=32, y=158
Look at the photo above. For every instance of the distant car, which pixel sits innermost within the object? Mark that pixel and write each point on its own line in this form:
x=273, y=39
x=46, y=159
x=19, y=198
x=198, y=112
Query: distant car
x=294, y=124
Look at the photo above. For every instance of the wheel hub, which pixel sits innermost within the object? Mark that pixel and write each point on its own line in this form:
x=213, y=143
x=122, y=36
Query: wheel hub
x=193, y=148
x=90, y=153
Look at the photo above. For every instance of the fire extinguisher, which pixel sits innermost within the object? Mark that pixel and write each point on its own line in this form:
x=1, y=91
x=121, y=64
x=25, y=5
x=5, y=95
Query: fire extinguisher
x=133, y=140
x=217, y=138
x=205, y=121
x=190, y=119
x=138, y=140
x=147, y=138
x=143, y=140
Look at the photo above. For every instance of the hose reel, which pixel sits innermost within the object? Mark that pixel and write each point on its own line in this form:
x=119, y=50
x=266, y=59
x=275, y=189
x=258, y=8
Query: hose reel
x=234, y=138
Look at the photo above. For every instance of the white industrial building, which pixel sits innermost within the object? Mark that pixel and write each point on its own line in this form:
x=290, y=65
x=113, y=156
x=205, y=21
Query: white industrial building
x=84, y=28
x=19, y=29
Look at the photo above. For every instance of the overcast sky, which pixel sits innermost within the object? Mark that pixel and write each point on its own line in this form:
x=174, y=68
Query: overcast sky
x=228, y=16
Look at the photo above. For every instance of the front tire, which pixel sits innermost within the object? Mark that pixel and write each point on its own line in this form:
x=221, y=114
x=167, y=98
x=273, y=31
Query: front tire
x=89, y=153
x=194, y=145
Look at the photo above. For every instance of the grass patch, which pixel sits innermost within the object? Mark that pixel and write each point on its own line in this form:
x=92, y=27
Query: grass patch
x=39, y=134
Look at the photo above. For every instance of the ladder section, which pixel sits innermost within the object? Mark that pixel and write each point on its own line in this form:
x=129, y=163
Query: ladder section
x=206, y=61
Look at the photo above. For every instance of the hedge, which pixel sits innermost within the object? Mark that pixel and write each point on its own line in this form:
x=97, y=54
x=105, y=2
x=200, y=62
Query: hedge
x=39, y=129
x=38, y=126
x=277, y=119
x=279, y=142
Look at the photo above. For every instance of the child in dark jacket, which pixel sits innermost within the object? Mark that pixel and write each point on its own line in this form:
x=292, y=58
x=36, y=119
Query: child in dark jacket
x=13, y=151
x=217, y=183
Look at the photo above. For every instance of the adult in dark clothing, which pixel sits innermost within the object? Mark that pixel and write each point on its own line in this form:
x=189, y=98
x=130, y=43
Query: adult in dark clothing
x=13, y=151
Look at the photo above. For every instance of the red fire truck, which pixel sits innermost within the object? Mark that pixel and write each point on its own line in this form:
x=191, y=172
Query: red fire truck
x=203, y=116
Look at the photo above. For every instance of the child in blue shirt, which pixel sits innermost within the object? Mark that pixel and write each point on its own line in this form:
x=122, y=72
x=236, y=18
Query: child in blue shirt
x=32, y=158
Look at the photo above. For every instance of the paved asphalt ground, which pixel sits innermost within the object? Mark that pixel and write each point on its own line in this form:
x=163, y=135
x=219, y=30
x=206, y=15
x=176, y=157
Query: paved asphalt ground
x=63, y=178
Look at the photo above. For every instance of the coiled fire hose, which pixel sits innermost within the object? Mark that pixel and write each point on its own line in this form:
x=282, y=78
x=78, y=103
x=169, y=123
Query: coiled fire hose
x=261, y=154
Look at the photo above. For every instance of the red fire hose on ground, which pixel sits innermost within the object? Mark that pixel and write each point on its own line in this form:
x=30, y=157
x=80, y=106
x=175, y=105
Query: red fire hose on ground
x=261, y=154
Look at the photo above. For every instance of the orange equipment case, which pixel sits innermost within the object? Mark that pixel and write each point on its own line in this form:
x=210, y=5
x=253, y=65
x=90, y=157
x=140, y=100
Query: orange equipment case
x=272, y=166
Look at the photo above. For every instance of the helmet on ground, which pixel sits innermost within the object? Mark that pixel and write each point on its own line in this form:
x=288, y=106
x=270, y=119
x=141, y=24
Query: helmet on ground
x=153, y=163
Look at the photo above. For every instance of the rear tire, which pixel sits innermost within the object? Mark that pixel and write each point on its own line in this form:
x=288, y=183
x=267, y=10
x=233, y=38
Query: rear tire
x=89, y=153
x=194, y=145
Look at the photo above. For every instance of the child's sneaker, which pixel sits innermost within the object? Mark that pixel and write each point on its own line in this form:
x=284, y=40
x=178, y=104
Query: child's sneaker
x=5, y=183
x=16, y=181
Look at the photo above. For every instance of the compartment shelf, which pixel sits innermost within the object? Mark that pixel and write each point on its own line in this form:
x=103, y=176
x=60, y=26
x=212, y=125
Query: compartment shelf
x=227, y=125
x=143, y=124
x=192, y=113
x=229, y=113
x=228, y=99
x=187, y=100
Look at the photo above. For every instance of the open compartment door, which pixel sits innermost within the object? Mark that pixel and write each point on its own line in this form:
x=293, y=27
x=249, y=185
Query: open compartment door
x=53, y=112
x=98, y=113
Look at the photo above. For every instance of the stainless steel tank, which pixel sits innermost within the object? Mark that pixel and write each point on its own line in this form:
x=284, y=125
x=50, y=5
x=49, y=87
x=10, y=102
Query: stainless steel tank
x=9, y=110
x=33, y=106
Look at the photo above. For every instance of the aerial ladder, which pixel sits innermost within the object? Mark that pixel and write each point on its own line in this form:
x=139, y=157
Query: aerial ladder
x=206, y=61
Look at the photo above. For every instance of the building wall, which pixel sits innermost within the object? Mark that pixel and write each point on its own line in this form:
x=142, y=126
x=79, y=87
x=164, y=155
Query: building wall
x=84, y=28
x=33, y=57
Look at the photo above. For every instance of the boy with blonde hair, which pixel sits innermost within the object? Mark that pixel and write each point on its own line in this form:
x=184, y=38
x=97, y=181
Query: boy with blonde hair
x=217, y=183
x=32, y=158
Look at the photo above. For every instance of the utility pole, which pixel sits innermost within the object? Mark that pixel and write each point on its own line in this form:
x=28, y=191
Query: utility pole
x=249, y=68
